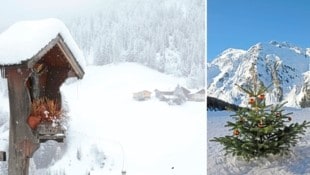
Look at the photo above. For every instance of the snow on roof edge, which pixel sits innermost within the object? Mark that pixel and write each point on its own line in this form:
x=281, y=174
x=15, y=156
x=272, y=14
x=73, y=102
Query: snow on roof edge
x=25, y=39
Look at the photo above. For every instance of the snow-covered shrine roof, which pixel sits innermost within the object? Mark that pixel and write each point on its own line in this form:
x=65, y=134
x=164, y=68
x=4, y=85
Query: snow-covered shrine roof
x=23, y=40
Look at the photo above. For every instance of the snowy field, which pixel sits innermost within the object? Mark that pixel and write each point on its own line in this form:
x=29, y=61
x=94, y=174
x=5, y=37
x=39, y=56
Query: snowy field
x=110, y=132
x=297, y=163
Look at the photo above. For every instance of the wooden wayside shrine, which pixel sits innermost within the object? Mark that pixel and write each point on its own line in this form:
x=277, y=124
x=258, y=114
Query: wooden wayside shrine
x=39, y=77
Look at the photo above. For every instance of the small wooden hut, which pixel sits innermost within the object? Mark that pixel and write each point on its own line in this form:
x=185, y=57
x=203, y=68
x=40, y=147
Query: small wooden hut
x=142, y=95
x=36, y=57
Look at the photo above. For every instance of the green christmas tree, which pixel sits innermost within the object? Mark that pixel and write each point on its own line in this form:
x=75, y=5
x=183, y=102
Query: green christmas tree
x=261, y=130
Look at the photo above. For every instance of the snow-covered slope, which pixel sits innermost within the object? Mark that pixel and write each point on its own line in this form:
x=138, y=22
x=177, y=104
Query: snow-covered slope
x=109, y=132
x=166, y=35
x=272, y=62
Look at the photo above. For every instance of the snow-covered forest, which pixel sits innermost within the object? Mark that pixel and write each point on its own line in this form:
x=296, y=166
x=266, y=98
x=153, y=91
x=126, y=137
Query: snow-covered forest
x=166, y=35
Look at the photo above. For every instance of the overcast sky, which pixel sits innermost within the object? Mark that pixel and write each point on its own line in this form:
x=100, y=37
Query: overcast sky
x=12, y=11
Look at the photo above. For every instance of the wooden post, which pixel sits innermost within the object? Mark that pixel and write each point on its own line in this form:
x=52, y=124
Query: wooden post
x=22, y=142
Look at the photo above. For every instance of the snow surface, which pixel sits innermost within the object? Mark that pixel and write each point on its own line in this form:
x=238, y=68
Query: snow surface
x=297, y=163
x=109, y=131
x=25, y=39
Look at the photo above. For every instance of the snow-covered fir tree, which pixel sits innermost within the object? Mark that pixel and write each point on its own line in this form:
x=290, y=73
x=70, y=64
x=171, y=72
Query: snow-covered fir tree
x=166, y=35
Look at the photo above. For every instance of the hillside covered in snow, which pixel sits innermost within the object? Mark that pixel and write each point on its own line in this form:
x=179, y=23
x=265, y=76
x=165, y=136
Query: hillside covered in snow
x=109, y=132
x=283, y=66
x=166, y=35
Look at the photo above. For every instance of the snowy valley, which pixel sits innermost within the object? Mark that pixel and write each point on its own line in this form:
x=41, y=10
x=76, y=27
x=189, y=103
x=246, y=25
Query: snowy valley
x=109, y=131
x=128, y=46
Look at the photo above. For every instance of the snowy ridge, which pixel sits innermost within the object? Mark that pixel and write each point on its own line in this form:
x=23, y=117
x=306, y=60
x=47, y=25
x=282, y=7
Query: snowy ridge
x=273, y=62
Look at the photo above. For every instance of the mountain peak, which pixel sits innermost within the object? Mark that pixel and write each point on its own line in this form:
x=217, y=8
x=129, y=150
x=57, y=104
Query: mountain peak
x=279, y=63
x=228, y=55
x=231, y=51
x=282, y=44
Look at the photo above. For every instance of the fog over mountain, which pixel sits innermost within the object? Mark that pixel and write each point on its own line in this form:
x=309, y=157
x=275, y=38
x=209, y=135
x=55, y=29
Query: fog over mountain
x=166, y=35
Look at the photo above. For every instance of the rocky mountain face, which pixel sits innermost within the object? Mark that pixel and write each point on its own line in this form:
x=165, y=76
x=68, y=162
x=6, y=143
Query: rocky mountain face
x=282, y=66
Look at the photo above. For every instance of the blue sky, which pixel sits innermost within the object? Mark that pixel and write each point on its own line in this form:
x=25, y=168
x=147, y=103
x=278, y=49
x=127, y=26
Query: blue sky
x=243, y=23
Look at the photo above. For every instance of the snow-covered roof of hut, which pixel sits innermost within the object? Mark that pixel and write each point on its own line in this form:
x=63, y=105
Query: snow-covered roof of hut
x=25, y=39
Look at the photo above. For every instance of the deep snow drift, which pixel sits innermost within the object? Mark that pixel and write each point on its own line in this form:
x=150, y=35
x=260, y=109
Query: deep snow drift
x=109, y=131
x=298, y=162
